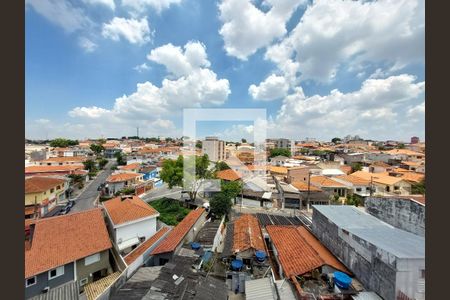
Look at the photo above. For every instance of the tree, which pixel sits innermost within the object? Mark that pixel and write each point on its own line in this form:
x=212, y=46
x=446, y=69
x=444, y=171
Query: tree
x=120, y=159
x=231, y=188
x=173, y=173
x=280, y=151
x=401, y=146
x=220, y=204
x=418, y=188
x=97, y=148
x=102, y=163
x=353, y=200
x=356, y=166
x=76, y=178
x=62, y=143
x=198, y=145
x=243, y=141
x=221, y=165
x=90, y=165
x=335, y=140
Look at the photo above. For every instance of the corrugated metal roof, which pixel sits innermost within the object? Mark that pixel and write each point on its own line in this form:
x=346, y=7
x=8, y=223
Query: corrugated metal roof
x=67, y=291
x=259, y=289
x=367, y=296
x=400, y=243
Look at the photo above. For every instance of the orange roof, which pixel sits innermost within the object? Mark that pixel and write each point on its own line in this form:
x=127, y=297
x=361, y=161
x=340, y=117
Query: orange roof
x=299, y=251
x=174, y=238
x=46, y=169
x=41, y=184
x=404, y=152
x=133, y=255
x=412, y=176
x=129, y=209
x=412, y=163
x=346, y=169
x=247, y=234
x=63, y=239
x=303, y=186
x=381, y=164
x=354, y=179
x=229, y=175
x=122, y=177
x=279, y=170
x=382, y=178
x=130, y=166
x=65, y=159
x=324, y=181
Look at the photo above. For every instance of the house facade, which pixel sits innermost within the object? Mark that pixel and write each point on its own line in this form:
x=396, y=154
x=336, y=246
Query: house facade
x=118, y=181
x=44, y=192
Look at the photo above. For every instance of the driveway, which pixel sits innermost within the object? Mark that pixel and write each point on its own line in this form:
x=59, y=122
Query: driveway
x=85, y=200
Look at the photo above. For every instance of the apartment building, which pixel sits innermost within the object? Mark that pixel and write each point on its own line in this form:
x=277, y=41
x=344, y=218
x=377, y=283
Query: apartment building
x=214, y=148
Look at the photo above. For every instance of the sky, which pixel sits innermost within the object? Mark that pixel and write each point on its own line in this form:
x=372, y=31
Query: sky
x=320, y=69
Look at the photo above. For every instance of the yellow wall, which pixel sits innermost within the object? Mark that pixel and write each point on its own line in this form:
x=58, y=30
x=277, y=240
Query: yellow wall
x=30, y=198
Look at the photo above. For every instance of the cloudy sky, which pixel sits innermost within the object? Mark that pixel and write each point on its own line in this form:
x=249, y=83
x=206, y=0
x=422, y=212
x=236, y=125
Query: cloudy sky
x=320, y=68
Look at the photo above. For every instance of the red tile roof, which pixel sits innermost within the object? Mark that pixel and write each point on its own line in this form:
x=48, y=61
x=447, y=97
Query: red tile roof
x=247, y=234
x=354, y=179
x=41, y=184
x=346, y=169
x=132, y=166
x=174, y=238
x=303, y=186
x=78, y=159
x=119, y=177
x=46, y=169
x=64, y=239
x=299, y=251
x=130, y=209
x=133, y=255
x=229, y=175
x=324, y=181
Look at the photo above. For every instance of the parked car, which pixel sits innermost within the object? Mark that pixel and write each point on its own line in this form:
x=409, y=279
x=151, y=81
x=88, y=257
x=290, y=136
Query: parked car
x=70, y=204
x=65, y=210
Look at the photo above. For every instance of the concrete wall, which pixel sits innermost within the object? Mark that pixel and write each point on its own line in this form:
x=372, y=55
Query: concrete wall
x=84, y=271
x=401, y=213
x=145, y=228
x=42, y=281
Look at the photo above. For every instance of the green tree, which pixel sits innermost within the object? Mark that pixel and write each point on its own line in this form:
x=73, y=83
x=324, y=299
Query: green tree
x=353, y=200
x=280, y=151
x=335, y=140
x=90, y=165
x=97, y=148
x=220, y=204
x=401, y=146
x=243, y=141
x=418, y=188
x=198, y=145
x=173, y=173
x=102, y=163
x=120, y=159
x=231, y=188
x=221, y=165
x=62, y=143
x=356, y=166
x=75, y=178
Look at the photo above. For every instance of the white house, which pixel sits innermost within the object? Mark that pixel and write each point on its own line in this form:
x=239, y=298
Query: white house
x=131, y=221
x=118, y=181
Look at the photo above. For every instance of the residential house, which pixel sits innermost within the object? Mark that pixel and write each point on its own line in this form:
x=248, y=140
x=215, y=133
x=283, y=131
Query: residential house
x=61, y=161
x=417, y=166
x=43, y=193
x=385, y=259
x=405, y=155
x=131, y=221
x=229, y=175
x=310, y=195
x=296, y=252
x=53, y=170
x=384, y=184
x=379, y=167
x=278, y=160
x=70, y=249
x=355, y=157
x=359, y=186
x=329, y=185
x=133, y=167
x=118, y=181
x=184, y=232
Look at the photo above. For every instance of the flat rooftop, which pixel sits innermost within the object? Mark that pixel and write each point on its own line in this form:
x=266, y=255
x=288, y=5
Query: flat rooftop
x=398, y=242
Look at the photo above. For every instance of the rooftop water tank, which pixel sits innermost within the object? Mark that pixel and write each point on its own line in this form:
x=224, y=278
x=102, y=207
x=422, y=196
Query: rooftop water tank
x=342, y=280
x=237, y=264
x=260, y=255
x=195, y=246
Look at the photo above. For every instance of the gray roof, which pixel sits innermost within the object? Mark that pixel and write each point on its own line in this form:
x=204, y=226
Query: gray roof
x=398, y=242
x=259, y=289
x=67, y=291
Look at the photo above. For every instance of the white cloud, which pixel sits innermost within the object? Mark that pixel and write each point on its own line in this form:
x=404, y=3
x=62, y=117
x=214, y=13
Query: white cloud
x=141, y=5
x=273, y=87
x=61, y=13
x=417, y=111
x=133, y=30
x=376, y=110
x=43, y=121
x=196, y=86
x=108, y=3
x=87, y=45
x=246, y=28
x=142, y=67
x=335, y=32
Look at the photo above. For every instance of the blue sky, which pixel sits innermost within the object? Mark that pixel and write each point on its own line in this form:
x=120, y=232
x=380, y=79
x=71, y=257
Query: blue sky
x=320, y=69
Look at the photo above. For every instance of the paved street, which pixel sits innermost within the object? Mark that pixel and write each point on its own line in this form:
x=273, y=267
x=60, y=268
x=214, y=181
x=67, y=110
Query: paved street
x=86, y=198
x=162, y=191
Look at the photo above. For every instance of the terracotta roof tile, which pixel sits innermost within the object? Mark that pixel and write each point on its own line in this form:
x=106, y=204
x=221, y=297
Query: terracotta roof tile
x=247, y=234
x=299, y=251
x=346, y=169
x=130, y=166
x=382, y=178
x=41, y=184
x=130, y=209
x=229, y=175
x=279, y=170
x=46, y=169
x=119, y=177
x=303, y=186
x=133, y=255
x=354, y=179
x=65, y=159
x=324, y=181
x=64, y=239
x=174, y=238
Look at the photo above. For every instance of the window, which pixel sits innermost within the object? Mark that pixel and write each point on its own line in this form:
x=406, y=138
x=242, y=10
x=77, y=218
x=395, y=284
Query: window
x=83, y=281
x=30, y=281
x=92, y=259
x=358, y=189
x=56, y=272
x=52, y=190
x=396, y=188
x=422, y=273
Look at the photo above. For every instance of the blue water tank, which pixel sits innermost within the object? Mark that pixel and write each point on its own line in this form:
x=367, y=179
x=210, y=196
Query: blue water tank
x=237, y=264
x=342, y=280
x=195, y=246
x=260, y=255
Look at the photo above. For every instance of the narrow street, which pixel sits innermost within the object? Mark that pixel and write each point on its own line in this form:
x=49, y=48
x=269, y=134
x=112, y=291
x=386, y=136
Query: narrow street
x=86, y=199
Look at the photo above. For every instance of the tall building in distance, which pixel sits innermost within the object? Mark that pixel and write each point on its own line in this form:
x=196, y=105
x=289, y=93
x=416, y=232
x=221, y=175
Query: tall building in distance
x=214, y=148
x=415, y=140
x=283, y=143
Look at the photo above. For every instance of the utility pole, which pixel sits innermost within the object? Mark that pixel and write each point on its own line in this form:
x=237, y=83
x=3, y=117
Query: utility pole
x=309, y=190
x=137, y=132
